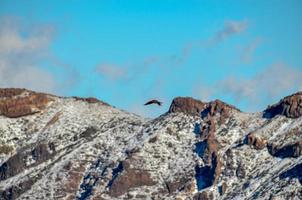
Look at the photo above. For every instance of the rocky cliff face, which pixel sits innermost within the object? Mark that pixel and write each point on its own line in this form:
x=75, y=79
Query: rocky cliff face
x=290, y=106
x=82, y=148
x=21, y=102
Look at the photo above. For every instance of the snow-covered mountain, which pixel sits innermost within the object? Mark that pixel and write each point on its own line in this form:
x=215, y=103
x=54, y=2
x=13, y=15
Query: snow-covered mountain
x=81, y=148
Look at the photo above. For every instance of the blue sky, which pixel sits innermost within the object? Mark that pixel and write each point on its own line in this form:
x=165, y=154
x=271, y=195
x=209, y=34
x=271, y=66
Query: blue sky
x=247, y=53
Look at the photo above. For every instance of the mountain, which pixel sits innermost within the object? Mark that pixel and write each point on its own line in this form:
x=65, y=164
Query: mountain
x=82, y=148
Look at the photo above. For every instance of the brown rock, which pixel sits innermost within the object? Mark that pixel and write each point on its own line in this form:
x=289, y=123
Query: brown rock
x=10, y=92
x=290, y=106
x=187, y=105
x=224, y=187
x=20, y=102
x=192, y=106
x=211, y=172
x=74, y=174
x=256, y=141
x=220, y=107
x=130, y=178
x=211, y=143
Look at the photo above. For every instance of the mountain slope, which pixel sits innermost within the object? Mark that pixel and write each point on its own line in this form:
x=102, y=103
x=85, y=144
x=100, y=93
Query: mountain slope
x=81, y=148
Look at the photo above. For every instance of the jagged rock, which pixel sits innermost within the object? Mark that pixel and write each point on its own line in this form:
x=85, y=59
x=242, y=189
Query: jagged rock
x=187, y=105
x=288, y=150
x=130, y=178
x=220, y=108
x=77, y=148
x=196, y=107
x=19, y=102
x=256, y=141
x=74, y=174
x=290, y=106
x=17, y=163
x=208, y=174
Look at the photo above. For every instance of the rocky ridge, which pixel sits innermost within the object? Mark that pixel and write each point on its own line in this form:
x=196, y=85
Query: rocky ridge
x=290, y=106
x=82, y=148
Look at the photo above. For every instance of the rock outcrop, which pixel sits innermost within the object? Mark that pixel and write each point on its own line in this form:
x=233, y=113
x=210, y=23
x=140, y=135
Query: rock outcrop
x=26, y=158
x=288, y=150
x=290, y=106
x=214, y=113
x=20, y=102
x=187, y=105
x=219, y=107
x=196, y=107
x=256, y=141
x=81, y=148
x=129, y=178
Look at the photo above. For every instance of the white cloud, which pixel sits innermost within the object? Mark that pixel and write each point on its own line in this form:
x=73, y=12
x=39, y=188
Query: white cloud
x=276, y=79
x=21, y=50
x=265, y=87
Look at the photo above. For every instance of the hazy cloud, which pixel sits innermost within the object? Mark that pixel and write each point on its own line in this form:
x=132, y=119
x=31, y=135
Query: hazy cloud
x=135, y=69
x=112, y=71
x=21, y=50
x=230, y=28
x=277, y=80
x=12, y=41
x=249, y=50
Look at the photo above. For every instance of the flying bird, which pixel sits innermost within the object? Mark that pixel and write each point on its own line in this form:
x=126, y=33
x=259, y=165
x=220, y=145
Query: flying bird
x=154, y=101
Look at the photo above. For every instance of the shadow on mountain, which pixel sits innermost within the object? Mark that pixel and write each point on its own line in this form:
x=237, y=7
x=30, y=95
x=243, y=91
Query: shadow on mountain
x=295, y=172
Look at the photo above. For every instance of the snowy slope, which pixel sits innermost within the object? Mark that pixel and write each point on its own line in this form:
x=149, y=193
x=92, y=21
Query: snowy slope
x=75, y=148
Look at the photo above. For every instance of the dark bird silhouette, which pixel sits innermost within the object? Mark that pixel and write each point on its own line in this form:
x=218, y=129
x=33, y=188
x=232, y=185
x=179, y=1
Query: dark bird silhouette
x=154, y=101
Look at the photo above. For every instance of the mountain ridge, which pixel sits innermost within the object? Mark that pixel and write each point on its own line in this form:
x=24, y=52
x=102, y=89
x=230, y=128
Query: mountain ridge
x=82, y=148
x=179, y=104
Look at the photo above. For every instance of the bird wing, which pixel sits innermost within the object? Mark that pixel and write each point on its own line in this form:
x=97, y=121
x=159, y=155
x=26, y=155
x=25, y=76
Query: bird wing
x=153, y=102
x=149, y=102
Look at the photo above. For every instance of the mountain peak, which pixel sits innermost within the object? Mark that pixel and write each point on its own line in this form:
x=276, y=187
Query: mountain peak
x=19, y=102
x=196, y=107
x=80, y=149
x=187, y=105
x=290, y=106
